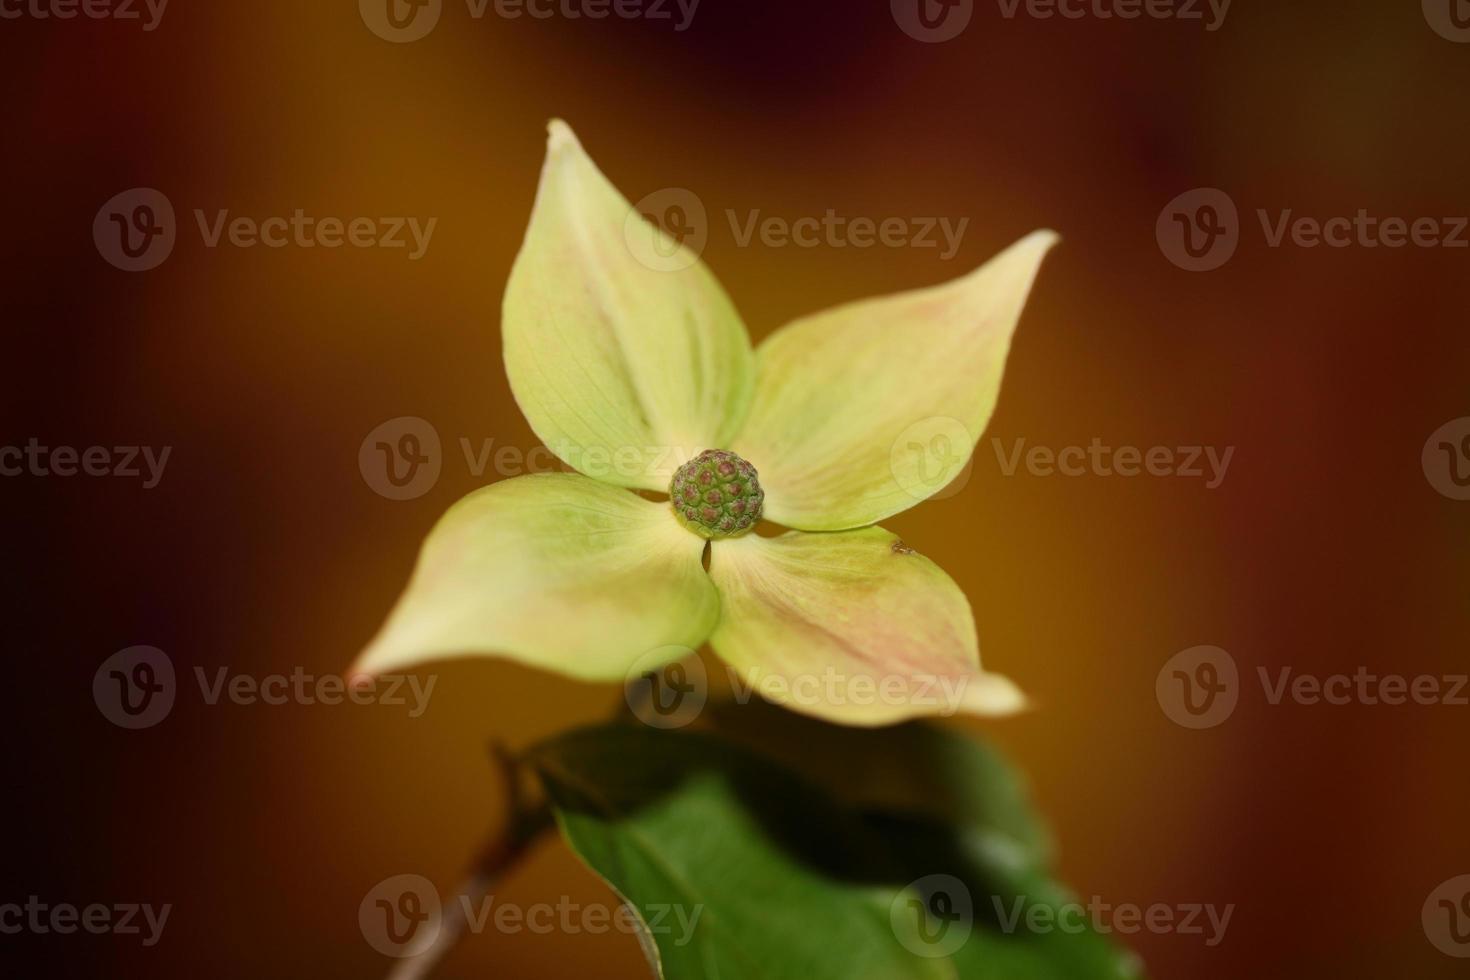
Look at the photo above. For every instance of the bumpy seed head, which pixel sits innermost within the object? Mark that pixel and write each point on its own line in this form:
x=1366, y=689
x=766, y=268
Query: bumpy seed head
x=717, y=495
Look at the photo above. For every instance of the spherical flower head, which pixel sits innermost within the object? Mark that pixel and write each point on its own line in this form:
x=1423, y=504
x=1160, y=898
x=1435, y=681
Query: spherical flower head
x=717, y=495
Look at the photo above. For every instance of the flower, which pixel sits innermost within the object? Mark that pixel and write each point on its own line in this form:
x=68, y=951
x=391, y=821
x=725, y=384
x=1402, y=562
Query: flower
x=629, y=361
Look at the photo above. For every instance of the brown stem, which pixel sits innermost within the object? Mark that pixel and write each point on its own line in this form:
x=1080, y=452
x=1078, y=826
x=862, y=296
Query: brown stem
x=501, y=852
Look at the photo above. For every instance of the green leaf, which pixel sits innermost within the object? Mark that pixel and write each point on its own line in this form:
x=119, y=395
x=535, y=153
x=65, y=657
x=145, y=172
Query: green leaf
x=919, y=770
x=771, y=867
x=791, y=876
x=948, y=804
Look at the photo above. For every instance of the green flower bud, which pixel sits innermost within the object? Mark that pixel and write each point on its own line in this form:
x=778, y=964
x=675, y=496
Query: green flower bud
x=717, y=495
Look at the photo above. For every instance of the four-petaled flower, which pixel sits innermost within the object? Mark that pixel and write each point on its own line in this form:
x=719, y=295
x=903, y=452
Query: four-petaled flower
x=633, y=367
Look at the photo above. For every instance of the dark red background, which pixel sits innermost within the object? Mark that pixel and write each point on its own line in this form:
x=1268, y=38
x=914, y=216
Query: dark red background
x=263, y=549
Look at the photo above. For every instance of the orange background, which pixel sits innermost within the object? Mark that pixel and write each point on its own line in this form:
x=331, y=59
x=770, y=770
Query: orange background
x=263, y=548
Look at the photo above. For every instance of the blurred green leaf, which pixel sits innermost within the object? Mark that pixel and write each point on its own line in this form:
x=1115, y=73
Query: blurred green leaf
x=920, y=769
x=760, y=858
x=946, y=805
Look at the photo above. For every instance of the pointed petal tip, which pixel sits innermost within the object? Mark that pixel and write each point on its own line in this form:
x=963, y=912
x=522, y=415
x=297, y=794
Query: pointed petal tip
x=559, y=136
x=357, y=676
x=1043, y=239
x=554, y=571
x=1014, y=269
x=994, y=695
x=366, y=665
x=1033, y=248
x=564, y=153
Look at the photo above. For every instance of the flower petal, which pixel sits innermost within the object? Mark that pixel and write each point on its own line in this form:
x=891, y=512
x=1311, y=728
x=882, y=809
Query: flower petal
x=556, y=571
x=852, y=627
x=865, y=410
x=624, y=353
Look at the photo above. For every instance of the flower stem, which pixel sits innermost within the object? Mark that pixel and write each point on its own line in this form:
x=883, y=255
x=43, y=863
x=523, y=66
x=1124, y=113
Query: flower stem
x=500, y=853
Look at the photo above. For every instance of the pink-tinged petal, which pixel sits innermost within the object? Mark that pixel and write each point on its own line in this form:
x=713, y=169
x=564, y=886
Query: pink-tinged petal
x=867, y=409
x=852, y=627
x=556, y=571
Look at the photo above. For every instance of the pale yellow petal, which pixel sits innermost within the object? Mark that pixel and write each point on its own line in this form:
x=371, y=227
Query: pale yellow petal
x=852, y=627
x=556, y=571
x=867, y=409
x=624, y=353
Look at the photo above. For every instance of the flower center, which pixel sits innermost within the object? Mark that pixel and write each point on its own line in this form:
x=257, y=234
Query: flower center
x=717, y=495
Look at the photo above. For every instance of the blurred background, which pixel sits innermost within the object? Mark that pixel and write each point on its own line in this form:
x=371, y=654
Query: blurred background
x=1328, y=546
